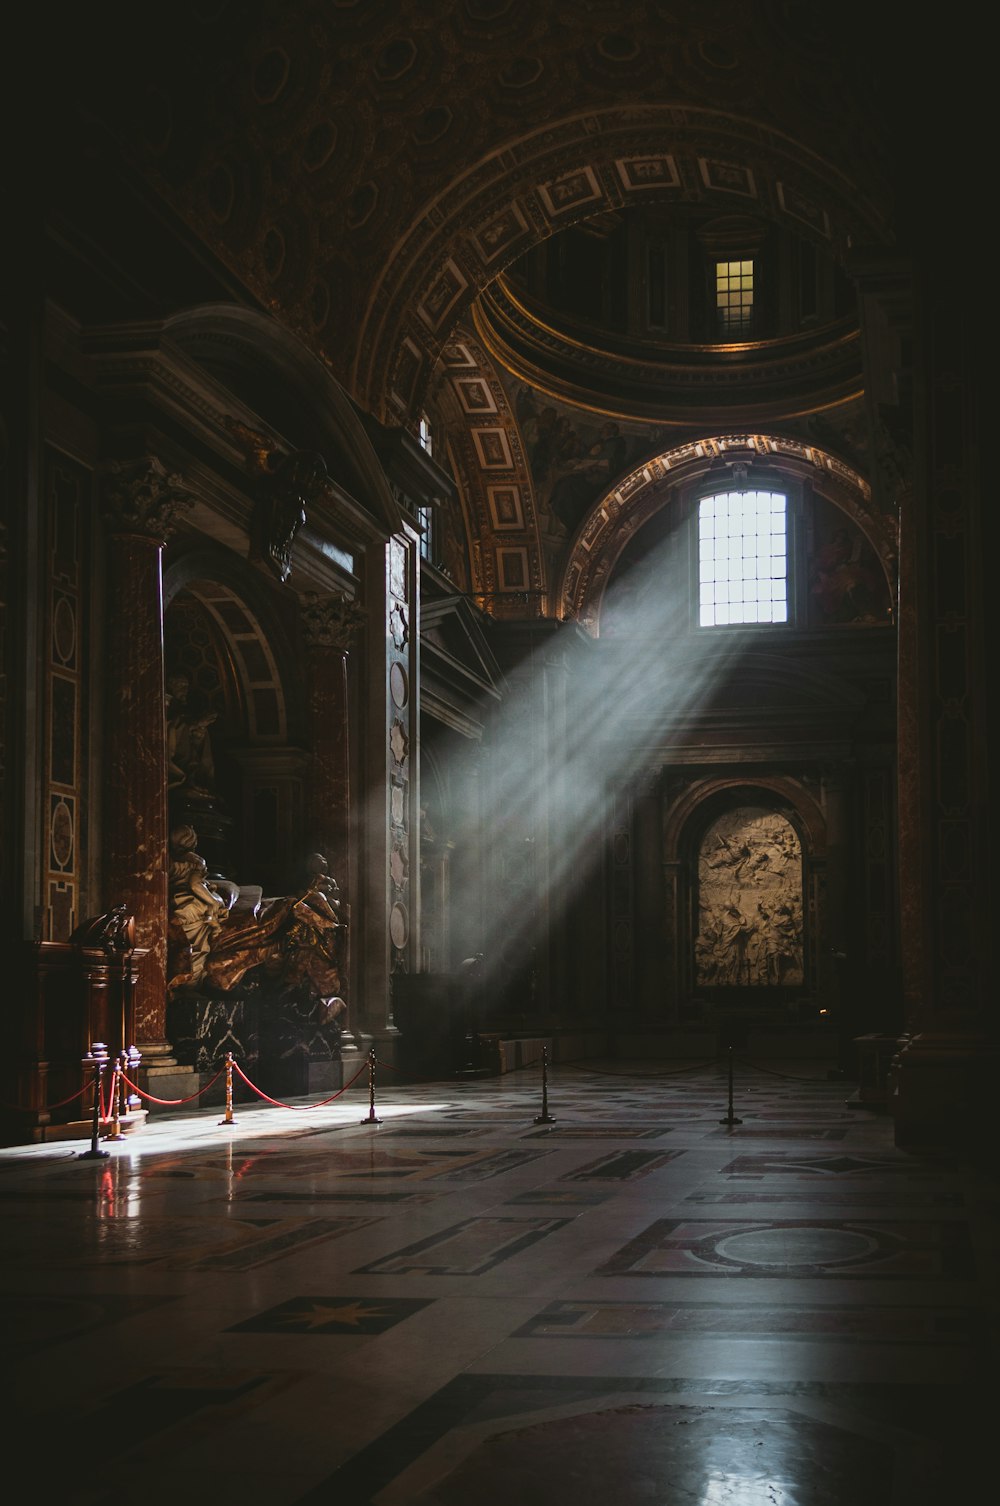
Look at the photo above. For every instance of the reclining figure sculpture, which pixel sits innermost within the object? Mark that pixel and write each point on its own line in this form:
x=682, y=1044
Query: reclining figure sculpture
x=294, y=943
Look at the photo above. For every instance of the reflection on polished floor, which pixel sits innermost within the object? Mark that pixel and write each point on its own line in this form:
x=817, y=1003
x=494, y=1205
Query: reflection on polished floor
x=635, y=1302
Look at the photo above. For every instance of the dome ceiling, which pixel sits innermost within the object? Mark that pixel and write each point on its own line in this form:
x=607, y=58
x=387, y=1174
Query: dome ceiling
x=394, y=158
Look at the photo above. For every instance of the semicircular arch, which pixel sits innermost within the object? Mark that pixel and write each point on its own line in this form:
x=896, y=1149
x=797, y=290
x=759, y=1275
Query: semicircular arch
x=571, y=169
x=704, y=798
x=617, y=516
x=268, y=367
x=259, y=655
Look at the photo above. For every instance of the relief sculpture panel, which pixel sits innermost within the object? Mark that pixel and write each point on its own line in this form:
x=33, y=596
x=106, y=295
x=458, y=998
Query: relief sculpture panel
x=749, y=913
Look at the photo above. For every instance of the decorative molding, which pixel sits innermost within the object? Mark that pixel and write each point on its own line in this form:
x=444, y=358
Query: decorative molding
x=140, y=497
x=329, y=621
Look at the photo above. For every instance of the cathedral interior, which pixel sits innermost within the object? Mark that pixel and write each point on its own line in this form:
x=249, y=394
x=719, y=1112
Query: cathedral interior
x=493, y=561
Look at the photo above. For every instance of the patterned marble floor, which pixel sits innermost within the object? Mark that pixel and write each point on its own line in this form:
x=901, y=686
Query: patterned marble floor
x=462, y=1306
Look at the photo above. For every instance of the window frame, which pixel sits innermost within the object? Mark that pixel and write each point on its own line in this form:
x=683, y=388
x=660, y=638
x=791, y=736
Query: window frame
x=756, y=481
x=725, y=333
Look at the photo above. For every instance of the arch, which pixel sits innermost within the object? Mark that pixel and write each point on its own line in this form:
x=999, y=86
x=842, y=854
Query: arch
x=756, y=933
x=266, y=366
x=492, y=472
x=259, y=651
x=705, y=796
x=632, y=501
x=569, y=170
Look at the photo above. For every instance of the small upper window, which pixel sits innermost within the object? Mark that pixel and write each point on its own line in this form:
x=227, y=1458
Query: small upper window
x=742, y=558
x=424, y=434
x=425, y=522
x=734, y=297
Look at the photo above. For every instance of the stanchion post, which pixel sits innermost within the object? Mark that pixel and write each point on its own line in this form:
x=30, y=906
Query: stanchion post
x=730, y=1117
x=97, y=1058
x=545, y=1117
x=228, y=1117
x=130, y=1066
x=372, y=1117
x=117, y=1092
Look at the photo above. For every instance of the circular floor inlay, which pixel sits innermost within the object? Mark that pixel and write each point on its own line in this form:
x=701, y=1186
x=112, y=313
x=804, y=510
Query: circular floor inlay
x=795, y=1246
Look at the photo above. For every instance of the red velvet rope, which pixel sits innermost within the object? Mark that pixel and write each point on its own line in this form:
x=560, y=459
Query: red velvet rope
x=172, y=1101
x=298, y=1107
x=15, y=1108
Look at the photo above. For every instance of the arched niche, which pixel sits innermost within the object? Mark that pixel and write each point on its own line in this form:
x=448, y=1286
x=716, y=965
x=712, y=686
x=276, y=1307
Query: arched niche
x=229, y=657
x=749, y=901
x=749, y=862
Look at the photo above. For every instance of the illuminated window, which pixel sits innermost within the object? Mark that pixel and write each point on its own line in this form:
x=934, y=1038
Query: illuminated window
x=734, y=297
x=425, y=520
x=742, y=558
x=424, y=434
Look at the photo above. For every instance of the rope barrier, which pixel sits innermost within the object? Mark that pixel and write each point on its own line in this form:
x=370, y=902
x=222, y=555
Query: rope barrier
x=652, y=1076
x=545, y=1117
x=730, y=1118
x=111, y=1109
x=97, y=1058
x=174, y=1102
x=771, y=1072
x=372, y=1116
x=17, y=1108
x=295, y=1107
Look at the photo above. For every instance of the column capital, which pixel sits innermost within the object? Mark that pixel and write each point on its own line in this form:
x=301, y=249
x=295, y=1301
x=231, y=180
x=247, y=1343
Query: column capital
x=141, y=497
x=329, y=621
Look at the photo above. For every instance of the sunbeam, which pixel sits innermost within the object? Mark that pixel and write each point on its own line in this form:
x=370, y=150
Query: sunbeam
x=585, y=718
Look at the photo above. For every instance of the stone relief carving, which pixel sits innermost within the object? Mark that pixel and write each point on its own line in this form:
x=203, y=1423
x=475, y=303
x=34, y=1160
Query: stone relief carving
x=750, y=925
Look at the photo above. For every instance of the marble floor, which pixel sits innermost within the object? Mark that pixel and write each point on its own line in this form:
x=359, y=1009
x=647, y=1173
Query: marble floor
x=630, y=1301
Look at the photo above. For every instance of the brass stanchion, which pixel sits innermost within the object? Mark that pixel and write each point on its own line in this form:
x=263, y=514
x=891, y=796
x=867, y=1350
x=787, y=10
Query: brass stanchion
x=545, y=1117
x=730, y=1117
x=117, y=1093
x=131, y=1060
x=372, y=1118
x=96, y=1057
x=228, y=1117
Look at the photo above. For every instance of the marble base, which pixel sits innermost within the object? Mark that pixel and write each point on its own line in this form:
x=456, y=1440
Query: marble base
x=940, y=1088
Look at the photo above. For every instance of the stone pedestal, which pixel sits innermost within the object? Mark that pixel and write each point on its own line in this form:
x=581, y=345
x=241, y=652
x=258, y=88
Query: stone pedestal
x=941, y=1088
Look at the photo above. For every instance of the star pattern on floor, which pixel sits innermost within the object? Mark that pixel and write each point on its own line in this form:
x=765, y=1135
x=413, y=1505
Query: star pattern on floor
x=332, y=1315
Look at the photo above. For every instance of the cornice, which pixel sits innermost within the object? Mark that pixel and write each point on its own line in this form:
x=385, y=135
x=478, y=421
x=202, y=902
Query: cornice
x=754, y=383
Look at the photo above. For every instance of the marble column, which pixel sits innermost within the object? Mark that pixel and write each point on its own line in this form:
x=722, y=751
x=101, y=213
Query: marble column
x=140, y=502
x=328, y=627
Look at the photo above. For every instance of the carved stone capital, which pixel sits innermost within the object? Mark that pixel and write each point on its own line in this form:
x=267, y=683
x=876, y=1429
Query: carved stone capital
x=329, y=621
x=142, y=497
